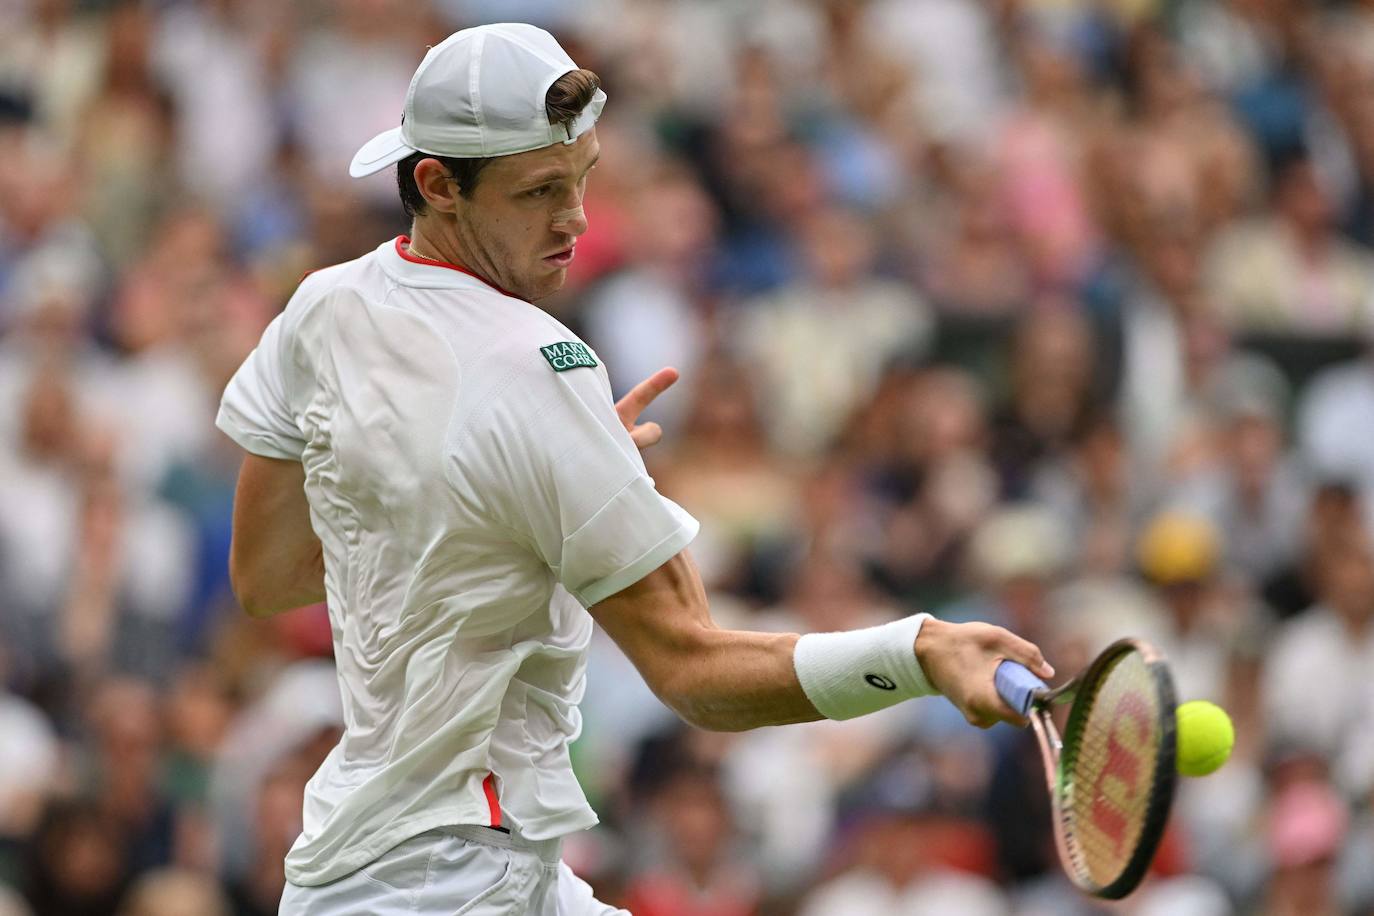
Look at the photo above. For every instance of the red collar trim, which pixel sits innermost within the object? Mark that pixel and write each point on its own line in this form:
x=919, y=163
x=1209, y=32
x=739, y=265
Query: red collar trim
x=403, y=249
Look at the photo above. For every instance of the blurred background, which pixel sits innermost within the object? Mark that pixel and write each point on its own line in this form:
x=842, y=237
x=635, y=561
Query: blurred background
x=1052, y=313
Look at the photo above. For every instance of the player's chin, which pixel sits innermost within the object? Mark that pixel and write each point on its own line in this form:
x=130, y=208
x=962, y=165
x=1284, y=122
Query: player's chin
x=550, y=278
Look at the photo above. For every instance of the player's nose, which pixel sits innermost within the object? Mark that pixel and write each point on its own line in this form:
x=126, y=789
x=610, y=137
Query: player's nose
x=572, y=221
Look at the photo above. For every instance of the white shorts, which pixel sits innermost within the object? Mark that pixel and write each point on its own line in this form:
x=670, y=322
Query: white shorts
x=455, y=871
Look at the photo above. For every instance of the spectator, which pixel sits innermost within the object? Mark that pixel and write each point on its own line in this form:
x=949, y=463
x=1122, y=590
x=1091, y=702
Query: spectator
x=1014, y=558
x=974, y=263
x=723, y=473
x=1321, y=651
x=1251, y=490
x=51, y=305
x=820, y=345
x=1094, y=495
x=1307, y=825
x=1294, y=273
x=172, y=892
x=696, y=874
x=222, y=64
x=1180, y=556
x=53, y=57
x=11, y=904
x=347, y=79
x=78, y=865
x=29, y=760
x=967, y=298
x=1050, y=393
x=651, y=314
x=901, y=843
x=1336, y=404
x=937, y=483
x=126, y=773
x=124, y=140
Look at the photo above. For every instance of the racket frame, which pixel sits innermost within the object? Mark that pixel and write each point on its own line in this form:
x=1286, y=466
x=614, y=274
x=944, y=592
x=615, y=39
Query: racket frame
x=1162, y=780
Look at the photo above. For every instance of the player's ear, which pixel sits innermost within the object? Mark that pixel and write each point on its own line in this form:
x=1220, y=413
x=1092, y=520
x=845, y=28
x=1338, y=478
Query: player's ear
x=436, y=185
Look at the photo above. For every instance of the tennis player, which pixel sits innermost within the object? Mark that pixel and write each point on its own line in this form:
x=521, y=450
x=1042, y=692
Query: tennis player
x=442, y=462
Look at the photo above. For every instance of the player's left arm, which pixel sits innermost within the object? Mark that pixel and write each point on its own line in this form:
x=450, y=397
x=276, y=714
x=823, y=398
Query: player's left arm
x=276, y=562
x=637, y=399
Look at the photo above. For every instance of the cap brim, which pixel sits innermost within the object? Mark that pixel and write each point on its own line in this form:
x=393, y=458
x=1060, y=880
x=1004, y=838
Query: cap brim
x=387, y=148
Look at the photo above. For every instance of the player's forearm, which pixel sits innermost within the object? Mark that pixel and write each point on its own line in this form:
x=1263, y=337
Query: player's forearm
x=738, y=680
x=723, y=680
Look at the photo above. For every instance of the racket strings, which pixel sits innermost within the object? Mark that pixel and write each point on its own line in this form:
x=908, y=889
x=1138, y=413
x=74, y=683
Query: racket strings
x=1110, y=758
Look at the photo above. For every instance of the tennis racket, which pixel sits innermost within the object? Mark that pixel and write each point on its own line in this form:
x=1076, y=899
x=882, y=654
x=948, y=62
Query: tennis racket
x=1111, y=776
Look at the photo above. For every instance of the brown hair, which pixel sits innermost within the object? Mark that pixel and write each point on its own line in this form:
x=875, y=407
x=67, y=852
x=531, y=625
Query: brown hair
x=564, y=101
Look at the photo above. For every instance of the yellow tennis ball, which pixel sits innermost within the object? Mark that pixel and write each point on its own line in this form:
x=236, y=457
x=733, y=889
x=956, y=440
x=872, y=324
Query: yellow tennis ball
x=1205, y=738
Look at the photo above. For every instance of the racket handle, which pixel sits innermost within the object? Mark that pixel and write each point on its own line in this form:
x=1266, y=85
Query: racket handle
x=1016, y=685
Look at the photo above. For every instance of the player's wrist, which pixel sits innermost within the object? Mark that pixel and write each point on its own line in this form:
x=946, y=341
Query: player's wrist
x=932, y=634
x=857, y=672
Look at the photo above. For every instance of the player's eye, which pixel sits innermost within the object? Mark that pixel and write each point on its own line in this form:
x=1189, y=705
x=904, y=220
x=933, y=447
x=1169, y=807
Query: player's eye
x=541, y=191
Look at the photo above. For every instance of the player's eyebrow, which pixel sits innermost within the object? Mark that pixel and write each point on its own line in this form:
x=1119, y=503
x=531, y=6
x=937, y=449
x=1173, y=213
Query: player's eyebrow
x=554, y=173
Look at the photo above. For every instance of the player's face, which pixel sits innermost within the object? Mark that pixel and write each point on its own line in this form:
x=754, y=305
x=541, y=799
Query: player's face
x=521, y=225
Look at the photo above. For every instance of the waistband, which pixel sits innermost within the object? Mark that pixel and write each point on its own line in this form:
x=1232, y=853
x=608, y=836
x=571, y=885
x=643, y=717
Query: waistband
x=548, y=851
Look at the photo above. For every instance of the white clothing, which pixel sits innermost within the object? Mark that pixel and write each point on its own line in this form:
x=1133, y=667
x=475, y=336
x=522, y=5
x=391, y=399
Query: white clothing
x=474, y=491
x=342, y=88
x=30, y=754
x=1333, y=422
x=226, y=130
x=848, y=336
x=39, y=539
x=641, y=320
x=950, y=49
x=473, y=871
x=1315, y=655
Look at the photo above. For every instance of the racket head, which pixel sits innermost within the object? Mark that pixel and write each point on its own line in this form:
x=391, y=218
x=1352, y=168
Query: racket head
x=1115, y=773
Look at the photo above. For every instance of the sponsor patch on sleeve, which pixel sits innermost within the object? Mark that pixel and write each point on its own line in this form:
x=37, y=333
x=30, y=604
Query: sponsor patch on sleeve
x=568, y=355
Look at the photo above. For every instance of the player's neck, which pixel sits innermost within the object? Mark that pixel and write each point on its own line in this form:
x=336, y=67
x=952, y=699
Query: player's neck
x=432, y=246
x=436, y=241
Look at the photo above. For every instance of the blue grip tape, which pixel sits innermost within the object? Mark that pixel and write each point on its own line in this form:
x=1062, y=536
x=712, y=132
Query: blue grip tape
x=1016, y=685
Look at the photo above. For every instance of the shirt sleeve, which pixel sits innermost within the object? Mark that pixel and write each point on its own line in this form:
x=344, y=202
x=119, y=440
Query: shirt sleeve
x=254, y=411
x=563, y=474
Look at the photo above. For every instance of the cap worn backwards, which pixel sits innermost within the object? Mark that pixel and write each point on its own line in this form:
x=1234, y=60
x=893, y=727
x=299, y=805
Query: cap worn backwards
x=479, y=93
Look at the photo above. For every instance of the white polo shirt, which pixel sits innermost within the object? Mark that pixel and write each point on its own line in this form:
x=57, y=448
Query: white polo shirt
x=474, y=492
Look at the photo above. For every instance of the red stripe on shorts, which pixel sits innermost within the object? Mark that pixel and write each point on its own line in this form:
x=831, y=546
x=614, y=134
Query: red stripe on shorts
x=494, y=806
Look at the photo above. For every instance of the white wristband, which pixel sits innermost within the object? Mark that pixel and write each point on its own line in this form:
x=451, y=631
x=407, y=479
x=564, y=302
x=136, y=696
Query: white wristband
x=861, y=671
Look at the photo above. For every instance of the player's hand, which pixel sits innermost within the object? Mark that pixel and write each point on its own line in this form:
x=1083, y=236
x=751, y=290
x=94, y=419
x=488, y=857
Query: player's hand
x=639, y=397
x=961, y=659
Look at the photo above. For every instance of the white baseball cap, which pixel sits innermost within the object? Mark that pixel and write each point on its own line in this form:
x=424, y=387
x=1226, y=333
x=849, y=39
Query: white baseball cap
x=479, y=93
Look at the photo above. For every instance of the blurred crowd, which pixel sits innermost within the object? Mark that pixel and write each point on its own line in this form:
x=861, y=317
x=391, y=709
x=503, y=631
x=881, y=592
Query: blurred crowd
x=1052, y=313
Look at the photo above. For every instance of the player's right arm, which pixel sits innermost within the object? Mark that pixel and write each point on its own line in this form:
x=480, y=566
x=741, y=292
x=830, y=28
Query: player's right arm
x=732, y=680
x=550, y=461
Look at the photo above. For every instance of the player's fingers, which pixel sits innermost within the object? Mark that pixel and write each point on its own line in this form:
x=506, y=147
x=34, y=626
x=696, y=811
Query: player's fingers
x=1025, y=652
x=986, y=708
x=646, y=434
x=979, y=718
x=1001, y=712
x=1012, y=718
x=642, y=395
